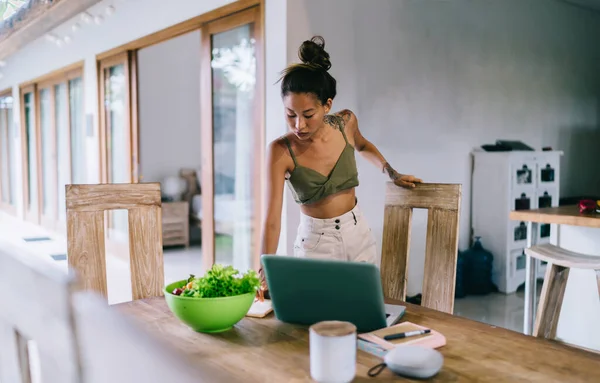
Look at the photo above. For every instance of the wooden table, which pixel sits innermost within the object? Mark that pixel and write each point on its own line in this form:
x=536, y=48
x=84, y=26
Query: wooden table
x=267, y=350
x=562, y=215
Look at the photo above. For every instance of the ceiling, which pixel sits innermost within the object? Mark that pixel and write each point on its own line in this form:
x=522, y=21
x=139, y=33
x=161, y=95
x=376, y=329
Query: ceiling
x=591, y=4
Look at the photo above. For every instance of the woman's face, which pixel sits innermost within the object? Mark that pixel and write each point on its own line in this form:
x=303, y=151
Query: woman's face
x=304, y=114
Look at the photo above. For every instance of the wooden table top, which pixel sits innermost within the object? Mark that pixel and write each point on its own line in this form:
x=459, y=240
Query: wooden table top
x=562, y=215
x=267, y=350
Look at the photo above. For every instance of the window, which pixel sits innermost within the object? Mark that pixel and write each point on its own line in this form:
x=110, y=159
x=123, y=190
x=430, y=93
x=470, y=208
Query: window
x=54, y=145
x=7, y=153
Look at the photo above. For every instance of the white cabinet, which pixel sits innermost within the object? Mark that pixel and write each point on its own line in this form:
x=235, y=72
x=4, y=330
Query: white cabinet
x=505, y=181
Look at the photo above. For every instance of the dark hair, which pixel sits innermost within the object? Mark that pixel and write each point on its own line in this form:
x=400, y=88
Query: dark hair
x=310, y=76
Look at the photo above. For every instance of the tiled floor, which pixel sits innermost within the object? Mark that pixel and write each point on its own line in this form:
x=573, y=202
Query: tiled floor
x=495, y=309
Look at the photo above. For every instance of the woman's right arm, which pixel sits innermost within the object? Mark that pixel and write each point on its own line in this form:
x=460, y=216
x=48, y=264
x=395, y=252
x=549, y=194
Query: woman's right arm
x=276, y=169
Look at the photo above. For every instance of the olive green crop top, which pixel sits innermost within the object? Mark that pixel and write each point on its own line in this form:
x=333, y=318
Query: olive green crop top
x=309, y=186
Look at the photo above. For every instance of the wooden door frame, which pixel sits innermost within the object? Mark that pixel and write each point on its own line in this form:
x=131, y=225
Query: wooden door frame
x=48, y=222
x=129, y=61
x=31, y=216
x=8, y=207
x=253, y=15
x=47, y=81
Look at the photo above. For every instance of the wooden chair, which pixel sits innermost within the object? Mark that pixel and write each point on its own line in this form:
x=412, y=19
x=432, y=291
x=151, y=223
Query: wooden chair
x=560, y=261
x=117, y=349
x=36, y=307
x=441, y=252
x=86, y=205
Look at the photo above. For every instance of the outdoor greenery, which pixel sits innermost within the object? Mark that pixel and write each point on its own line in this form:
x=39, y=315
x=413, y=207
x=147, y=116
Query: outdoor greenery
x=9, y=7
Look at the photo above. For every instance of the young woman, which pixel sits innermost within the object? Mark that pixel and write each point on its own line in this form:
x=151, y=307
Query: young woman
x=316, y=159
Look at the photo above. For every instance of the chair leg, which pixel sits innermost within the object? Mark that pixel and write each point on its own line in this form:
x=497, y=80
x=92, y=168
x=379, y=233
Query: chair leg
x=551, y=299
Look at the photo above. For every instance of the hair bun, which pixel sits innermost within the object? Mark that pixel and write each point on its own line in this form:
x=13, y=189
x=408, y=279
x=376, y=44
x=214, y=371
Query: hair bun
x=312, y=52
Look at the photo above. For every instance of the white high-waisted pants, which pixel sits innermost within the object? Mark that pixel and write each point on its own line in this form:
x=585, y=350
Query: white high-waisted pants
x=347, y=237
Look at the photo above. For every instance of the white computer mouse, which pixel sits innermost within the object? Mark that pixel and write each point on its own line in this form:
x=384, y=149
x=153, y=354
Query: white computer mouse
x=414, y=361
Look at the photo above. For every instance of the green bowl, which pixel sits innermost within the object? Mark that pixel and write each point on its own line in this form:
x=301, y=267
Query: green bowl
x=208, y=314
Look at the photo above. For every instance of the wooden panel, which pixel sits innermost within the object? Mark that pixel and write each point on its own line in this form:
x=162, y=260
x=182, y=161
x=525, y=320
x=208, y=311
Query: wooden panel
x=43, y=315
x=145, y=242
x=117, y=349
x=44, y=20
x=443, y=202
x=86, y=205
x=395, y=251
x=206, y=142
x=86, y=248
x=63, y=74
x=551, y=299
x=424, y=196
x=181, y=28
x=475, y=352
x=562, y=215
x=229, y=22
x=259, y=122
x=133, y=111
x=562, y=257
x=112, y=196
x=441, y=254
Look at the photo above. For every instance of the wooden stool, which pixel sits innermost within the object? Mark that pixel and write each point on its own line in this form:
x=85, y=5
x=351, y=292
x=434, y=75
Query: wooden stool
x=560, y=261
x=441, y=252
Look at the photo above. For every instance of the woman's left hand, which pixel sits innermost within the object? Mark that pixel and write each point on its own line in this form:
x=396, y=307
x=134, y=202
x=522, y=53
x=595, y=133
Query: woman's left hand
x=407, y=181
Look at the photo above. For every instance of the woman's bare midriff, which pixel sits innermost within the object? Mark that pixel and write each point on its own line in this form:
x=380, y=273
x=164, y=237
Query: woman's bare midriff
x=331, y=206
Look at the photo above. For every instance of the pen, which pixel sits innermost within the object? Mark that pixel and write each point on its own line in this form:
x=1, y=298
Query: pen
x=406, y=334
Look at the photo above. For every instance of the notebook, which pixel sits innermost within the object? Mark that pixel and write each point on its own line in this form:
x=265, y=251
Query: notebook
x=433, y=340
x=260, y=309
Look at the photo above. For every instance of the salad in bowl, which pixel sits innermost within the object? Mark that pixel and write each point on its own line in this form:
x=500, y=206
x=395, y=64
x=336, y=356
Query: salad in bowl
x=215, y=301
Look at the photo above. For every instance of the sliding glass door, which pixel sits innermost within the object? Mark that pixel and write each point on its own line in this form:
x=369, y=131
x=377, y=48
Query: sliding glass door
x=232, y=140
x=7, y=150
x=118, y=127
x=62, y=144
x=30, y=141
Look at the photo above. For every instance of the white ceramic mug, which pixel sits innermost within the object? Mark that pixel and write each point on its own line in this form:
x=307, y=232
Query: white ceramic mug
x=332, y=351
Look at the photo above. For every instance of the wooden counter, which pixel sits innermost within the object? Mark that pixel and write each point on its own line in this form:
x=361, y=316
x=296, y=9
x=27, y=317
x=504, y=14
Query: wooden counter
x=562, y=215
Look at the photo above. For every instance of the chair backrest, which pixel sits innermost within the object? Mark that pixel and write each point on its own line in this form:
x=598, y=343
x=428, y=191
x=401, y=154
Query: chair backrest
x=86, y=205
x=36, y=310
x=116, y=348
x=441, y=252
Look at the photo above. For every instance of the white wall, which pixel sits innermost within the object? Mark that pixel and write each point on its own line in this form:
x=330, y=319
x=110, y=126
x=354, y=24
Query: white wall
x=133, y=19
x=169, y=107
x=430, y=80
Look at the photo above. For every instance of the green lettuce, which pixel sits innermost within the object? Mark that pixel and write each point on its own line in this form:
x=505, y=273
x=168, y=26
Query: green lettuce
x=222, y=281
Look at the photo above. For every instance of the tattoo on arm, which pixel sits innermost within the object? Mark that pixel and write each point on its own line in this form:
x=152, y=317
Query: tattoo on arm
x=334, y=120
x=339, y=119
x=394, y=175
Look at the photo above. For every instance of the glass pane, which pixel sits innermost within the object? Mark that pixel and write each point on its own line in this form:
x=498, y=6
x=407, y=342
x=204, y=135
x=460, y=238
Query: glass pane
x=117, y=140
x=62, y=146
x=11, y=156
x=30, y=140
x=47, y=151
x=78, y=158
x=4, y=156
x=233, y=63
